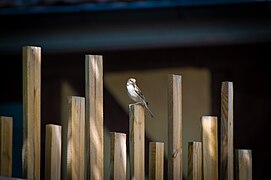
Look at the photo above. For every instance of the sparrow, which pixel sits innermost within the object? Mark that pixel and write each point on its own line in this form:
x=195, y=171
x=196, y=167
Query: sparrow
x=136, y=94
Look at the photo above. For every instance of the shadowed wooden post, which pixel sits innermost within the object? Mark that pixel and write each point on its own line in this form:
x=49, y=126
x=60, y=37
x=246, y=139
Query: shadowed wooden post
x=210, y=147
x=226, y=137
x=118, y=156
x=156, y=161
x=74, y=140
x=31, y=112
x=94, y=117
x=243, y=164
x=6, y=125
x=53, y=152
x=194, y=161
x=137, y=141
x=175, y=127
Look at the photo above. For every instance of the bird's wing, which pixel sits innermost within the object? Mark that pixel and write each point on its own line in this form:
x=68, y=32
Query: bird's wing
x=139, y=92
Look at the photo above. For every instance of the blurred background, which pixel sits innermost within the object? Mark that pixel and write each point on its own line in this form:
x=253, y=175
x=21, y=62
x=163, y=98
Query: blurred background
x=205, y=41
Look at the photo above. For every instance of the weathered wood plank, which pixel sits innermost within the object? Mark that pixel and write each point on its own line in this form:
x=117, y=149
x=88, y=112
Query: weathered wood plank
x=175, y=127
x=74, y=140
x=31, y=111
x=210, y=147
x=156, y=161
x=118, y=156
x=94, y=117
x=243, y=164
x=137, y=141
x=52, y=152
x=226, y=137
x=6, y=125
x=194, y=161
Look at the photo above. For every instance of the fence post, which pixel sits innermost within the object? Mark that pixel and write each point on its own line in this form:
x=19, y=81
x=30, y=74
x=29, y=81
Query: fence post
x=210, y=147
x=118, y=156
x=6, y=125
x=194, y=161
x=52, y=152
x=226, y=137
x=31, y=112
x=243, y=164
x=175, y=127
x=156, y=161
x=137, y=141
x=94, y=117
x=74, y=140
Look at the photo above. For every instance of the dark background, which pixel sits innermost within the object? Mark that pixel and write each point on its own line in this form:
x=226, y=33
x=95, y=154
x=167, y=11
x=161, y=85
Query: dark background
x=232, y=40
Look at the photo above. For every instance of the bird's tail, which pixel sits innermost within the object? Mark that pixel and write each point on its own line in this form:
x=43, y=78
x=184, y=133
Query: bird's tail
x=146, y=105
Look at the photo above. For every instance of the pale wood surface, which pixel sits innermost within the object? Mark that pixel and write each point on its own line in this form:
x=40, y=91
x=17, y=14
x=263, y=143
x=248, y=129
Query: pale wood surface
x=243, y=164
x=175, y=127
x=194, y=161
x=118, y=156
x=226, y=137
x=74, y=140
x=52, y=152
x=31, y=112
x=137, y=141
x=156, y=161
x=94, y=117
x=210, y=147
x=6, y=125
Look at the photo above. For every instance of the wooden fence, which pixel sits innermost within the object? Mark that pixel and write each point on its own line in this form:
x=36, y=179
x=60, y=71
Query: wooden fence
x=74, y=150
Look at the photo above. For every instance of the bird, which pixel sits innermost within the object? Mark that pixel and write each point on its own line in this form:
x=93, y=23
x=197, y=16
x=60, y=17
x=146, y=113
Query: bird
x=136, y=94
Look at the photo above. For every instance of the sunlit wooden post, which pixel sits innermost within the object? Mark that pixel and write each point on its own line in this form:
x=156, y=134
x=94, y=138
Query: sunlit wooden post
x=137, y=141
x=243, y=164
x=118, y=156
x=74, y=140
x=94, y=117
x=6, y=125
x=156, y=161
x=226, y=137
x=175, y=127
x=31, y=112
x=52, y=152
x=210, y=147
x=195, y=161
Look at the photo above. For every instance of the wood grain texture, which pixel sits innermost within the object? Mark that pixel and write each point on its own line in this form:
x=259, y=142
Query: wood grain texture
x=74, y=140
x=194, y=161
x=243, y=164
x=210, y=147
x=94, y=117
x=175, y=127
x=31, y=112
x=117, y=156
x=156, y=161
x=226, y=137
x=6, y=127
x=137, y=141
x=52, y=152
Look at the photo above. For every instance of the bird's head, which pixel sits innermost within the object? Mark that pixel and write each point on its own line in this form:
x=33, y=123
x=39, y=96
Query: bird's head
x=131, y=81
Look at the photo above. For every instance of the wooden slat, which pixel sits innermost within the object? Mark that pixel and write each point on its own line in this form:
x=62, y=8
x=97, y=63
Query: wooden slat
x=175, y=127
x=53, y=152
x=243, y=164
x=31, y=111
x=74, y=140
x=137, y=141
x=226, y=137
x=156, y=161
x=194, y=161
x=118, y=156
x=94, y=117
x=6, y=125
x=210, y=147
